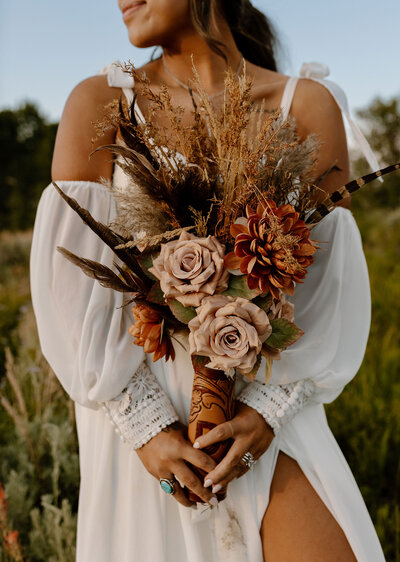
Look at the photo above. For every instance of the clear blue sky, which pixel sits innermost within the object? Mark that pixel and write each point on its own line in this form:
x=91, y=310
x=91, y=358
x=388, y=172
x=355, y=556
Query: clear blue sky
x=48, y=46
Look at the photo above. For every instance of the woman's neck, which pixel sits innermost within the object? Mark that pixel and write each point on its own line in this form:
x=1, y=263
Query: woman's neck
x=210, y=66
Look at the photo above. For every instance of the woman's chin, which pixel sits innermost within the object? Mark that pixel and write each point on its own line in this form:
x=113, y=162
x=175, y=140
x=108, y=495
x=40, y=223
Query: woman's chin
x=141, y=41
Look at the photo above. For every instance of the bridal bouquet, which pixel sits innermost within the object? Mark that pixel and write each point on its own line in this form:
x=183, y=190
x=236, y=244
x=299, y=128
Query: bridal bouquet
x=213, y=235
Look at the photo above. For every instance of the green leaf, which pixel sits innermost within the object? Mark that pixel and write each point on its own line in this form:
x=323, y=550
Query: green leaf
x=156, y=295
x=284, y=333
x=182, y=313
x=200, y=360
x=271, y=352
x=264, y=302
x=146, y=261
x=238, y=288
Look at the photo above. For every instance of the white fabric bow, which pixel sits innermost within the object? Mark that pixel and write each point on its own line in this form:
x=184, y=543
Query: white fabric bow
x=116, y=76
x=317, y=70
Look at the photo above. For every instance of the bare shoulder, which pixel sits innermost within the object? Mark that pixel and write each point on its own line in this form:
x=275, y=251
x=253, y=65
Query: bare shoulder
x=77, y=135
x=316, y=112
x=313, y=106
x=315, y=109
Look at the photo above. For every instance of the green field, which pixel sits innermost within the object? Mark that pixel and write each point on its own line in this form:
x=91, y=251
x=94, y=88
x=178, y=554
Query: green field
x=38, y=448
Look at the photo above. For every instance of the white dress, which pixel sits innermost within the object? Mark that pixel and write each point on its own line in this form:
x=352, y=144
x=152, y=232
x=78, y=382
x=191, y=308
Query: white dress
x=124, y=516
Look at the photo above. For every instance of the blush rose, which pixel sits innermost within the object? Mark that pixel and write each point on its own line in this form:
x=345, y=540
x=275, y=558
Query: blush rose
x=230, y=331
x=191, y=268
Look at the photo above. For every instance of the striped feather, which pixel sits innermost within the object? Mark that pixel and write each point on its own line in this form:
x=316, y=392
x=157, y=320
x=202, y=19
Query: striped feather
x=110, y=280
x=329, y=203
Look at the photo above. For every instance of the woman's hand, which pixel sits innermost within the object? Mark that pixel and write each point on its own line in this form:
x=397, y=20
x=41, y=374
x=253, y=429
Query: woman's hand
x=166, y=455
x=250, y=433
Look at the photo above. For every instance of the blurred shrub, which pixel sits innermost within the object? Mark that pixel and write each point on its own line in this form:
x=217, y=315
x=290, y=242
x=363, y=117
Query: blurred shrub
x=14, y=286
x=38, y=452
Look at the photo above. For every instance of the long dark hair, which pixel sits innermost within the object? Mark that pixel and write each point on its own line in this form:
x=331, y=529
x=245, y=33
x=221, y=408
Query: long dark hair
x=252, y=31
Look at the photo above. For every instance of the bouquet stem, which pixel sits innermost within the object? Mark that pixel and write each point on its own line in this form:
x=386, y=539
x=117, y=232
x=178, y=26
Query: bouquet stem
x=212, y=403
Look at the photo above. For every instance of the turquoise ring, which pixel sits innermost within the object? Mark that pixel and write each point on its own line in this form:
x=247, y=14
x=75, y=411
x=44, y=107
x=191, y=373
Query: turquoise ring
x=168, y=485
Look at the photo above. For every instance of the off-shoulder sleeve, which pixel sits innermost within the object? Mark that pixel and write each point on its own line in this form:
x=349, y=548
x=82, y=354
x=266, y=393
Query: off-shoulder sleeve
x=333, y=308
x=83, y=334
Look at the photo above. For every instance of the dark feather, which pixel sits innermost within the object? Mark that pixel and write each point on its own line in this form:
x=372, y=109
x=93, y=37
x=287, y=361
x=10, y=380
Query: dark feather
x=111, y=238
x=131, y=155
x=329, y=203
x=103, y=274
x=189, y=190
x=137, y=166
x=128, y=128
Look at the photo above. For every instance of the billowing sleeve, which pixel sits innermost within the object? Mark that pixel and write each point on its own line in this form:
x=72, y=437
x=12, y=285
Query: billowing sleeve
x=82, y=328
x=333, y=308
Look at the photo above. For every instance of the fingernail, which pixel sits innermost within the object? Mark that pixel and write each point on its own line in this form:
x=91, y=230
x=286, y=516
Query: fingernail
x=196, y=445
x=207, y=483
x=213, y=502
x=216, y=488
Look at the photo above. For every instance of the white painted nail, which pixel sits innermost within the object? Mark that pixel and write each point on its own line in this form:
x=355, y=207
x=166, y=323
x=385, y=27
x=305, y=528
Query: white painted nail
x=196, y=445
x=217, y=488
x=208, y=483
x=213, y=502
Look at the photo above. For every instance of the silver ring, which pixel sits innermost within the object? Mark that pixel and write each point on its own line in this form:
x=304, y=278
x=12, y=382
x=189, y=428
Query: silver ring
x=168, y=485
x=248, y=460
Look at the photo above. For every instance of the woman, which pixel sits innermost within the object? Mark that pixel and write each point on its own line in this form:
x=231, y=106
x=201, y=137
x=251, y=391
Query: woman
x=300, y=501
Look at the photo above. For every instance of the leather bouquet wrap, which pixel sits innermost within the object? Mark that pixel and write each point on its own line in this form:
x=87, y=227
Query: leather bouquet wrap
x=213, y=235
x=212, y=403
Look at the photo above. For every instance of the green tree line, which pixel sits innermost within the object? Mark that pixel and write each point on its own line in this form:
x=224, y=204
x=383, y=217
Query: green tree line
x=27, y=141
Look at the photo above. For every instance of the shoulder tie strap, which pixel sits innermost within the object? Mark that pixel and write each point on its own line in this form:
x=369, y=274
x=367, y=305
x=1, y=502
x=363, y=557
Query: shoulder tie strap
x=318, y=71
x=287, y=96
x=117, y=77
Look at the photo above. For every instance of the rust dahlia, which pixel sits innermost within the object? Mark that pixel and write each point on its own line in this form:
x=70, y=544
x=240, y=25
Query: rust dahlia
x=148, y=331
x=274, y=248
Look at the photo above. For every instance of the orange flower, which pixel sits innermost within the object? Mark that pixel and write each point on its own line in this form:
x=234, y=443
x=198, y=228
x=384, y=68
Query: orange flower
x=2, y=494
x=11, y=538
x=3, y=508
x=148, y=331
x=12, y=545
x=273, y=250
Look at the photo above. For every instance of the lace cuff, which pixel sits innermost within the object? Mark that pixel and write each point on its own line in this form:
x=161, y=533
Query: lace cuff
x=278, y=404
x=141, y=410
